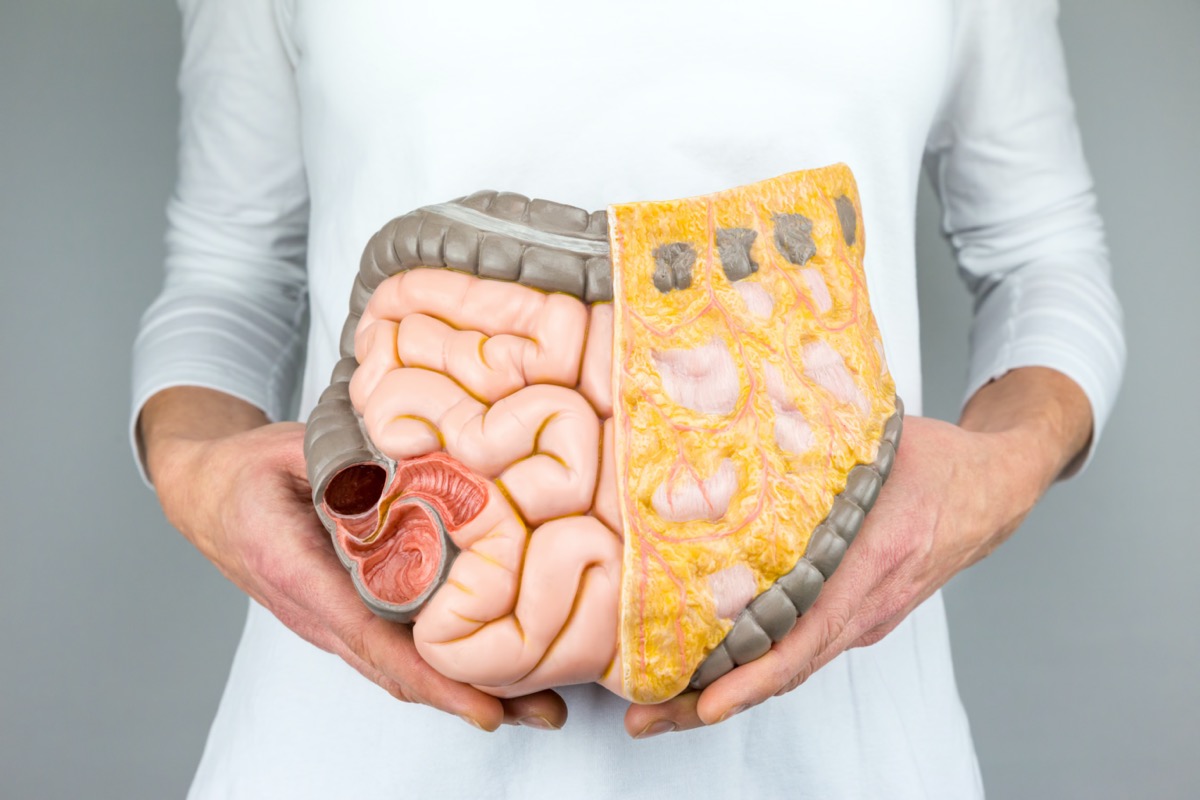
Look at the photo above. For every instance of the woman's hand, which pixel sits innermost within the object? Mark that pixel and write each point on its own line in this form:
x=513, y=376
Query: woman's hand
x=237, y=490
x=953, y=496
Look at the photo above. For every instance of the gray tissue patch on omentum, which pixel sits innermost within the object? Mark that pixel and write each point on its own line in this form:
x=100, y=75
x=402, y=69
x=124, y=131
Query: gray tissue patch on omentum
x=682, y=266
x=848, y=218
x=663, y=280
x=733, y=248
x=673, y=266
x=793, y=237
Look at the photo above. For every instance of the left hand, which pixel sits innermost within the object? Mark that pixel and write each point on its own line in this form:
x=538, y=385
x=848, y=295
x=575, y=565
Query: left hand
x=953, y=496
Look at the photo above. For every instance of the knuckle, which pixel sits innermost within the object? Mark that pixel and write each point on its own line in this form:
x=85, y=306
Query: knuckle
x=883, y=611
x=899, y=547
x=782, y=674
x=795, y=681
x=871, y=637
x=393, y=687
x=894, y=609
x=884, y=631
x=399, y=691
x=357, y=642
x=833, y=623
x=791, y=684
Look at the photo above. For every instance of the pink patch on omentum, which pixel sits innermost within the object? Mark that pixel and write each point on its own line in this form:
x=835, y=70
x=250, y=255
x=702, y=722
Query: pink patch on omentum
x=827, y=367
x=792, y=431
x=704, y=378
x=757, y=299
x=882, y=357
x=732, y=590
x=683, y=498
x=817, y=288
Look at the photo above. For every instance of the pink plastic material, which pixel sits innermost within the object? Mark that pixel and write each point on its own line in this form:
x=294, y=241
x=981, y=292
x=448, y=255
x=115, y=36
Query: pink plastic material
x=492, y=398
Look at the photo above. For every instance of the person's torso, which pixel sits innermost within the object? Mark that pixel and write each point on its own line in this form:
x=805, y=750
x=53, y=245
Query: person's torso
x=408, y=104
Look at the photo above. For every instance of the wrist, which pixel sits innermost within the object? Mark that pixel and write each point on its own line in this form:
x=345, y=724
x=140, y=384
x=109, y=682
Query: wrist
x=168, y=457
x=1042, y=420
x=1024, y=462
x=184, y=483
x=175, y=421
x=182, y=430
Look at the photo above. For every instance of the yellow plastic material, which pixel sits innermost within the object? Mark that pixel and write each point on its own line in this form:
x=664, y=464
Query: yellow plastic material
x=669, y=620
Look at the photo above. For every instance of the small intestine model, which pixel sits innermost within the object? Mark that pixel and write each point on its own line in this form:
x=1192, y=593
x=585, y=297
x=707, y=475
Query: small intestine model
x=625, y=447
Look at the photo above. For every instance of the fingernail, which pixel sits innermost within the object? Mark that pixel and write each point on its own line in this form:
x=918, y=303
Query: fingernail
x=655, y=728
x=539, y=722
x=731, y=712
x=465, y=718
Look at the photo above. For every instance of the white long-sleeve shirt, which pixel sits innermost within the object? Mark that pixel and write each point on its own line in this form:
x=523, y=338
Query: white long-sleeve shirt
x=306, y=125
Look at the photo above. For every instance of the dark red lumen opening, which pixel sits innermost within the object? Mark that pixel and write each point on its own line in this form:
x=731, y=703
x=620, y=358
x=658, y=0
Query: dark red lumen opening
x=355, y=490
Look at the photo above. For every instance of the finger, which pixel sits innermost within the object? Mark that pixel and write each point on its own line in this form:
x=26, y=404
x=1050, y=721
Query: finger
x=290, y=436
x=543, y=710
x=794, y=658
x=317, y=581
x=876, y=615
x=301, y=620
x=401, y=691
x=676, y=714
x=864, y=593
x=876, y=634
x=750, y=684
x=389, y=647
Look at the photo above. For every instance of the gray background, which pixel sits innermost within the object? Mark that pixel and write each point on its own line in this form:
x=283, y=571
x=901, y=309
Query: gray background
x=1076, y=644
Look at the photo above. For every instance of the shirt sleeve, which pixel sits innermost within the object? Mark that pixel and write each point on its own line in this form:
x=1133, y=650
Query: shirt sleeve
x=231, y=312
x=1019, y=210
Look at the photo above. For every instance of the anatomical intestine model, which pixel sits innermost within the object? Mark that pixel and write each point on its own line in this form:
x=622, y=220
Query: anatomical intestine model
x=625, y=447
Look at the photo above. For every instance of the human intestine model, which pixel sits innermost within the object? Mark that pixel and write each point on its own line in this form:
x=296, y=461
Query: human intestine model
x=624, y=447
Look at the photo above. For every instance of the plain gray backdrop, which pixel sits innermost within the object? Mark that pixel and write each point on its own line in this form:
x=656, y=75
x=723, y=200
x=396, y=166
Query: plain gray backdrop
x=1076, y=644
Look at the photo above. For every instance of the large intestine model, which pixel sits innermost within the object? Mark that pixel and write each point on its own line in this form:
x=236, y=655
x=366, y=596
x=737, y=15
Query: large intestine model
x=626, y=446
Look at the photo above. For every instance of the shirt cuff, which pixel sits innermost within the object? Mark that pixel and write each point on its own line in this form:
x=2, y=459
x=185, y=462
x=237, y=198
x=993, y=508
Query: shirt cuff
x=195, y=342
x=1066, y=318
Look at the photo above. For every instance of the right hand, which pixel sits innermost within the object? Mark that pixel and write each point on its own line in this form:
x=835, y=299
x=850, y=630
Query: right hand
x=244, y=501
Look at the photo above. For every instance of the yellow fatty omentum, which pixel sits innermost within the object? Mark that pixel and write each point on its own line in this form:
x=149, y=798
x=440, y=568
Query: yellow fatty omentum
x=669, y=619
